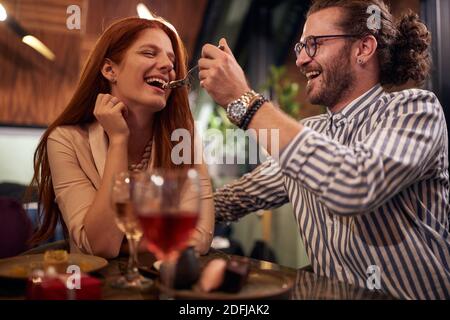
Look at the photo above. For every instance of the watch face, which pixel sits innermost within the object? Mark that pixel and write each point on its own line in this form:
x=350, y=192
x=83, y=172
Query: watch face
x=236, y=111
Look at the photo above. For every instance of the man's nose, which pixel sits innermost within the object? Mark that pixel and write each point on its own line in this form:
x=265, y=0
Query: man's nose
x=302, y=58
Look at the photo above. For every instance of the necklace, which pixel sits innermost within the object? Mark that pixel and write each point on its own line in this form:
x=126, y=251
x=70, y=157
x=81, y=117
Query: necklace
x=143, y=164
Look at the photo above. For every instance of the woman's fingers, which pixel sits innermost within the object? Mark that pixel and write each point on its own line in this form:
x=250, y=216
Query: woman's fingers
x=122, y=108
x=99, y=98
x=101, y=101
x=105, y=102
x=113, y=101
x=106, y=98
x=111, y=113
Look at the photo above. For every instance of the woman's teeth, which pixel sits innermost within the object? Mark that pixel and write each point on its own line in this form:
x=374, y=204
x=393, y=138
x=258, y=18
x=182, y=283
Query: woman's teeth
x=156, y=82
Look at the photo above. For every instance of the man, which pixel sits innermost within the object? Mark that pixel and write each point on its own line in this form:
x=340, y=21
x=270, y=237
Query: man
x=368, y=180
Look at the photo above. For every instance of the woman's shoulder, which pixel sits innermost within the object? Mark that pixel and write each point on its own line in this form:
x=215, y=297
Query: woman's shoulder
x=70, y=132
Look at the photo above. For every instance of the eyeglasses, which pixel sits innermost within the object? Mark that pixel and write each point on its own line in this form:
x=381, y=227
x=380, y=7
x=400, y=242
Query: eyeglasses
x=310, y=44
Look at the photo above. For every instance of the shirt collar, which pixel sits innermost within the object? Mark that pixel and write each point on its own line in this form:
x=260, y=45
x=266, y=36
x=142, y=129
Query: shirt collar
x=358, y=105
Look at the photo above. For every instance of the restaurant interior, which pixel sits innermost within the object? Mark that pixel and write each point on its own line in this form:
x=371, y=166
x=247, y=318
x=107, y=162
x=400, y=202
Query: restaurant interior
x=43, y=47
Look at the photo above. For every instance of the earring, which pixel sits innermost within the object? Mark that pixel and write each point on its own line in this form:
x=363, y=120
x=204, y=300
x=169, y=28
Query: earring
x=360, y=61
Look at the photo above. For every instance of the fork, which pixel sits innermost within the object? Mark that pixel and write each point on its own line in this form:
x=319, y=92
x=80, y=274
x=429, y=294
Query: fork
x=182, y=82
x=186, y=80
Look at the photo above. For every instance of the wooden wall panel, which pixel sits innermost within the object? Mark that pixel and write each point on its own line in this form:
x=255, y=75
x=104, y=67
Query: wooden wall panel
x=45, y=15
x=34, y=90
x=186, y=16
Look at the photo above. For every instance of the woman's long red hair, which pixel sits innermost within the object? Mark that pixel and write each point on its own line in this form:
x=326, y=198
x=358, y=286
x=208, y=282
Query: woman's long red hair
x=112, y=44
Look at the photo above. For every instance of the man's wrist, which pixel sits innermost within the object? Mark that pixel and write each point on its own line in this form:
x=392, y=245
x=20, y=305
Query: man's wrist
x=237, y=109
x=255, y=105
x=236, y=95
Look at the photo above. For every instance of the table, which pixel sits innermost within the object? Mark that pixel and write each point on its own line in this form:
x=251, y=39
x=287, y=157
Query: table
x=307, y=285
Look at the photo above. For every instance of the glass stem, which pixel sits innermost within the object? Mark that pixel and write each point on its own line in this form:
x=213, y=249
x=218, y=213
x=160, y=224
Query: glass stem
x=168, y=279
x=132, y=269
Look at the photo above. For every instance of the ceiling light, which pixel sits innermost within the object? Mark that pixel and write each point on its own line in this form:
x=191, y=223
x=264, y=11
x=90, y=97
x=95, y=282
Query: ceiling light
x=23, y=34
x=37, y=45
x=3, y=14
x=143, y=12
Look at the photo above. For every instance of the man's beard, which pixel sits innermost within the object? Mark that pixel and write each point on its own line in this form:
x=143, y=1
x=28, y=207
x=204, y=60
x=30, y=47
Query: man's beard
x=337, y=80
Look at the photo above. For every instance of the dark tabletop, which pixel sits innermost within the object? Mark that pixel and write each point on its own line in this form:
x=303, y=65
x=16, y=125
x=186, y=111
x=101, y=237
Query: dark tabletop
x=303, y=285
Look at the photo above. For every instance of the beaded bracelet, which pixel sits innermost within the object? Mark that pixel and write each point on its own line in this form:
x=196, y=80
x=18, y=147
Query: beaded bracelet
x=251, y=111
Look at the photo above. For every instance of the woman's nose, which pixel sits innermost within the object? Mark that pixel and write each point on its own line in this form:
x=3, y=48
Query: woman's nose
x=165, y=63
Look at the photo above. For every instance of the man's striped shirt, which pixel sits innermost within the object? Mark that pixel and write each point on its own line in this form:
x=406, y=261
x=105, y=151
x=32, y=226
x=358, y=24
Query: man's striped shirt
x=370, y=190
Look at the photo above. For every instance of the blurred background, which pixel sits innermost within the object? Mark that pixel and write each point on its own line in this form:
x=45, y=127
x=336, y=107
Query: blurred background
x=41, y=58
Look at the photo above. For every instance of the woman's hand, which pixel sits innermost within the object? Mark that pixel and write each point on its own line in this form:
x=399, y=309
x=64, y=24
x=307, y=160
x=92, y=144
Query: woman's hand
x=111, y=113
x=200, y=240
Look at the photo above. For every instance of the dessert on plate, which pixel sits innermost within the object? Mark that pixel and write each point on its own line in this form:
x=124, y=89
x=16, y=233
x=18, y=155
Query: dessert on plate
x=58, y=259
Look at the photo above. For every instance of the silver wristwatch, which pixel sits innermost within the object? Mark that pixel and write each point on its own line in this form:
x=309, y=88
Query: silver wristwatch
x=237, y=109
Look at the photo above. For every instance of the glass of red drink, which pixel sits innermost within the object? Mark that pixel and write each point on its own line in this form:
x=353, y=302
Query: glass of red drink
x=167, y=203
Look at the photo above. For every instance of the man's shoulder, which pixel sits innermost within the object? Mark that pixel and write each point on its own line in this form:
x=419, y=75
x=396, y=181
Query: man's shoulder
x=411, y=101
x=408, y=95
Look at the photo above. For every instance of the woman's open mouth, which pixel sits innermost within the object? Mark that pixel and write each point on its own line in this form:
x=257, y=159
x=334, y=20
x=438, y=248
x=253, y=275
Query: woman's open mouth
x=156, y=82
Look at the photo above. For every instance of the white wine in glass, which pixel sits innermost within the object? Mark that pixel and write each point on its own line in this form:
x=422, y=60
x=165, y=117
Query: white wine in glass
x=128, y=223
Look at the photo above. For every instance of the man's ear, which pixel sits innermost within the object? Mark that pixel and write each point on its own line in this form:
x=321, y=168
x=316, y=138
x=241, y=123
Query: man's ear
x=366, y=49
x=108, y=71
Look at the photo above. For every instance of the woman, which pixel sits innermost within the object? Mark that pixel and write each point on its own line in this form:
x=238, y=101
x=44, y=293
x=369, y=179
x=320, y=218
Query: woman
x=117, y=114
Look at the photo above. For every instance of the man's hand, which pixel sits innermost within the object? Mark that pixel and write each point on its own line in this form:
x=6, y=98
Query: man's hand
x=224, y=79
x=221, y=75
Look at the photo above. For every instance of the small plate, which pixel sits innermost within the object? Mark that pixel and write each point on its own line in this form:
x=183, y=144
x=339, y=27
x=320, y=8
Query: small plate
x=261, y=284
x=20, y=267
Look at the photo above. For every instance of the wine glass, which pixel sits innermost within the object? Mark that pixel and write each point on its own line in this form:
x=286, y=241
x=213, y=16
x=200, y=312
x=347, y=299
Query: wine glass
x=128, y=223
x=167, y=204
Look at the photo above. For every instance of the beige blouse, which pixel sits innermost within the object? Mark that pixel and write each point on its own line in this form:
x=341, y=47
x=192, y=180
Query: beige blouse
x=77, y=156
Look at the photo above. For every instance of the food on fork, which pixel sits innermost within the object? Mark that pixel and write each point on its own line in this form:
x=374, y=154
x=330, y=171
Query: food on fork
x=58, y=259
